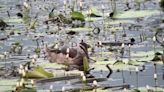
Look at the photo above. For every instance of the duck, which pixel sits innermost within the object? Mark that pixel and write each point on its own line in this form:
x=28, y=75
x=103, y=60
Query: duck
x=70, y=56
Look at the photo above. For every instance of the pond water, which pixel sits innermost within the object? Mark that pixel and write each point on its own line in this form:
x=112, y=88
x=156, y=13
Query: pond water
x=138, y=24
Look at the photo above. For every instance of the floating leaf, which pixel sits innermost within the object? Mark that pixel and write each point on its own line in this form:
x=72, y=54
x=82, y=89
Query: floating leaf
x=133, y=62
x=39, y=72
x=137, y=14
x=80, y=29
x=7, y=84
x=77, y=16
x=94, y=12
x=118, y=62
x=57, y=79
x=158, y=53
x=90, y=80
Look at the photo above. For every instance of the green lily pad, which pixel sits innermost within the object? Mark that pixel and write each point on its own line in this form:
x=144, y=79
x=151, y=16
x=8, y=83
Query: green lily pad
x=39, y=72
x=77, y=16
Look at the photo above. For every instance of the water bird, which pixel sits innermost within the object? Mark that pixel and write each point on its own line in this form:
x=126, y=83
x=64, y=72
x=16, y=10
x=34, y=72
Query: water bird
x=73, y=56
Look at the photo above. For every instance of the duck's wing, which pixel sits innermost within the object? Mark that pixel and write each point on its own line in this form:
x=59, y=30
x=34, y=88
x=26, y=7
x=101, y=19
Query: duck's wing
x=72, y=52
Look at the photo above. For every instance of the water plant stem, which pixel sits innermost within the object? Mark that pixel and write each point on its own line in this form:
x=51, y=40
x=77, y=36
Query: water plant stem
x=163, y=56
x=89, y=16
x=5, y=57
x=129, y=52
x=123, y=79
x=65, y=5
x=137, y=70
x=103, y=19
x=155, y=76
x=137, y=80
x=154, y=46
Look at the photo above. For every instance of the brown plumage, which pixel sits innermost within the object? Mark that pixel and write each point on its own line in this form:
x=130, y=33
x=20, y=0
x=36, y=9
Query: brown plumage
x=76, y=55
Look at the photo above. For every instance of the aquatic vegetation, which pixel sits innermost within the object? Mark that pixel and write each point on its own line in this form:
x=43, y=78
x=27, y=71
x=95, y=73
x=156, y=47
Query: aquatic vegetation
x=77, y=16
x=121, y=44
x=16, y=48
x=85, y=64
x=118, y=62
x=38, y=72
